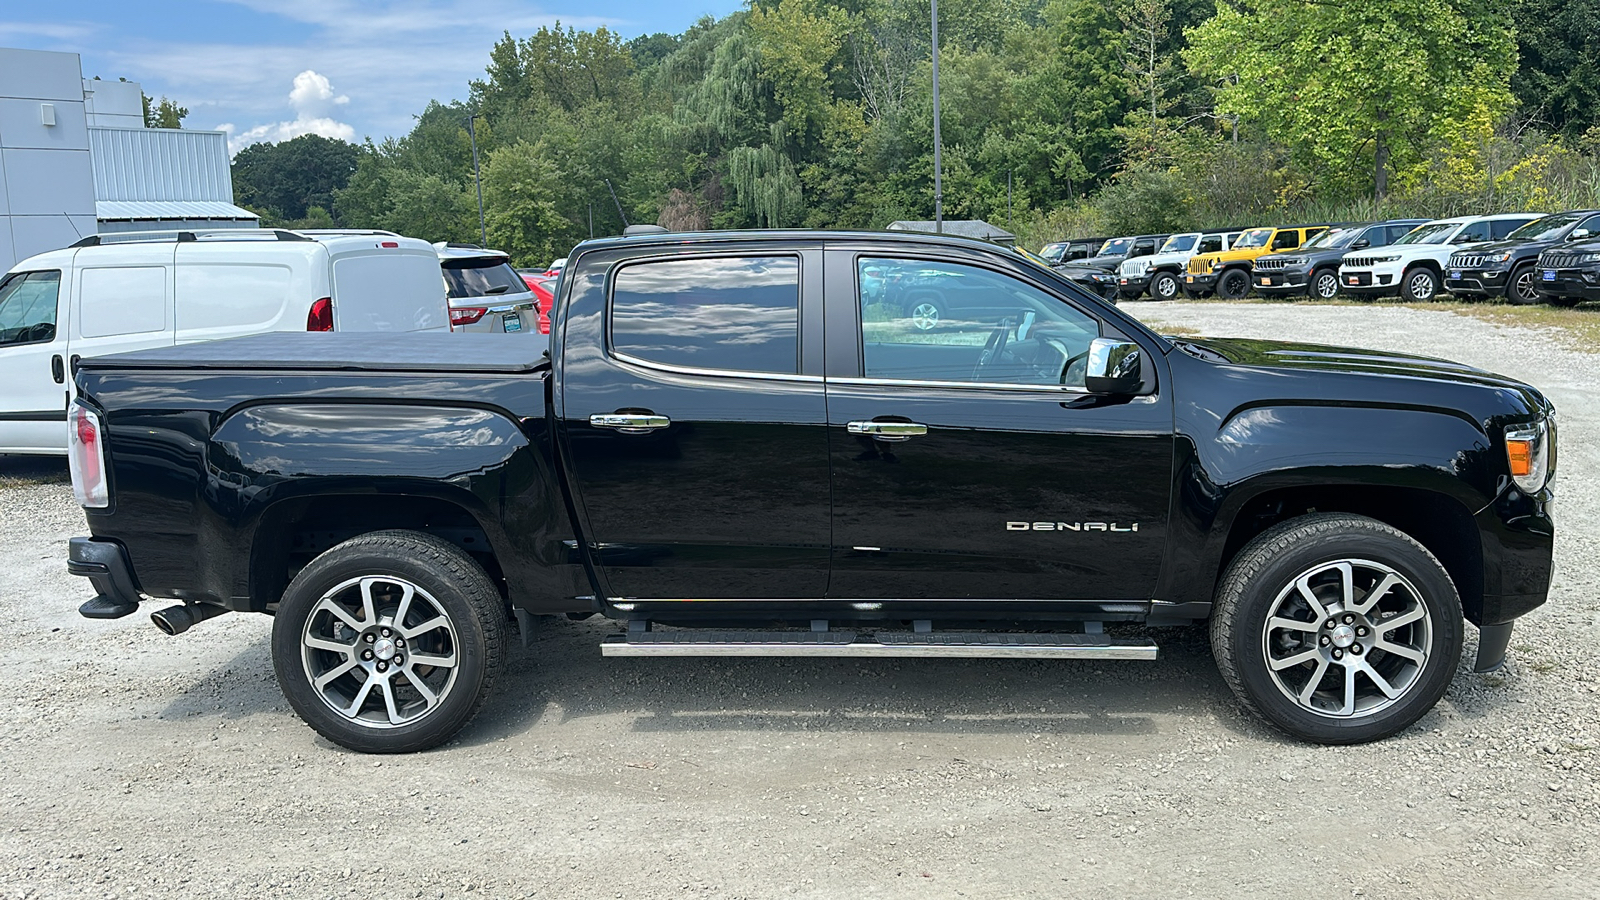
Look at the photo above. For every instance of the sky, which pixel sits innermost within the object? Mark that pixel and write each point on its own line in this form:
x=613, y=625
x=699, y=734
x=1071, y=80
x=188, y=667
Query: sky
x=276, y=69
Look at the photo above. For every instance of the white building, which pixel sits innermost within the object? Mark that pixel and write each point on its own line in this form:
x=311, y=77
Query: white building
x=76, y=160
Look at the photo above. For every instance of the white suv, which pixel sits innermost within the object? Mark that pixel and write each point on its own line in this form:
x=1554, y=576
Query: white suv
x=1160, y=273
x=485, y=293
x=1413, y=265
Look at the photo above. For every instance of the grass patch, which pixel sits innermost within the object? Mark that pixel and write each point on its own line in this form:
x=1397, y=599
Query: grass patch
x=23, y=471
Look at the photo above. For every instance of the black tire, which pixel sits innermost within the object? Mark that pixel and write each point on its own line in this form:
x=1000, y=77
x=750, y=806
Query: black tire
x=1233, y=284
x=1522, y=288
x=1419, y=285
x=1195, y=295
x=1324, y=284
x=1567, y=302
x=378, y=567
x=1258, y=592
x=1164, y=286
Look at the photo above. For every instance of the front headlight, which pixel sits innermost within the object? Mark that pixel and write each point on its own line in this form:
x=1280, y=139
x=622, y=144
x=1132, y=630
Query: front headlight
x=1385, y=259
x=1214, y=264
x=1499, y=257
x=1590, y=257
x=1530, y=452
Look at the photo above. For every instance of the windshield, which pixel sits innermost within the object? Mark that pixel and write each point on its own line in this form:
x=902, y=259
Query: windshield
x=1255, y=237
x=1431, y=233
x=1116, y=247
x=1332, y=239
x=1179, y=243
x=1548, y=228
x=484, y=276
x=1053, y=252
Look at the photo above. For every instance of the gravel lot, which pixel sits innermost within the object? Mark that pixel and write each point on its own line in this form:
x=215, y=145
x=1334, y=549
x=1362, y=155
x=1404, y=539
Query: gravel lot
x=135, y=764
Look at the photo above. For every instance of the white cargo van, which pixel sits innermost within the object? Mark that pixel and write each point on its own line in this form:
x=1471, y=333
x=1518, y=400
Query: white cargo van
x=108, y=294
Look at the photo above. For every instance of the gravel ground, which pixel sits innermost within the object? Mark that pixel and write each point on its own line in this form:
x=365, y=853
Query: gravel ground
x=134, y=764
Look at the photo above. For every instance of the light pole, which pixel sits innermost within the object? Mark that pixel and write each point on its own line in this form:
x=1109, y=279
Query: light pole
x=938, y=171
x=477, y=177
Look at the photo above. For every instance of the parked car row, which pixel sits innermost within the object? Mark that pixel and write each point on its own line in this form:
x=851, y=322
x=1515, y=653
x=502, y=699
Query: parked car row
x=110, y=294
x=1522, y=257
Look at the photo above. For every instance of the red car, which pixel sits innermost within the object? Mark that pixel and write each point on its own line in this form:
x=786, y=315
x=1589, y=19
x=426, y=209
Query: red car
x=543, y=286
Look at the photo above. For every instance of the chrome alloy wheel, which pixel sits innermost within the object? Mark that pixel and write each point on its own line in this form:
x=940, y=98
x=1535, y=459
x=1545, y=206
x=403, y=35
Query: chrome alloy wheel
x=925, y=316
x=1165, y=286
x=1327, y=285
x=1524, y=287
x=380, y=651
x=1421, y=285
x=1347, y=638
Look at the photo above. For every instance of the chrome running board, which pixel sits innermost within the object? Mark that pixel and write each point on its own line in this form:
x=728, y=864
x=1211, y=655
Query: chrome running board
x=882, y=643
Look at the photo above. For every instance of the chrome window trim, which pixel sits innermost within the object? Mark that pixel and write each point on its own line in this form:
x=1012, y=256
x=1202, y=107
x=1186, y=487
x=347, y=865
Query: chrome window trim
x=713, y=373
x=980, y=385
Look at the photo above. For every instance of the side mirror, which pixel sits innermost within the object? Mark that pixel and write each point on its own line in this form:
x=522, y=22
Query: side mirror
x=1361, y=244
x=1578, y=234
x=1113, y=367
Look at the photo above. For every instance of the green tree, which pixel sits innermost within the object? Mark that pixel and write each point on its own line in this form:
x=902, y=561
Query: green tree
x=1558, y=74
x=520, y=205
x=286, y=179
x=1362, y=91
x=162, y=114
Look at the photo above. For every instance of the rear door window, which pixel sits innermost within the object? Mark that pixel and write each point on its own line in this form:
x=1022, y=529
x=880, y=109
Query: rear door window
x=484, y=277
x=28, y=304
x=735, y=313
x=1501, y=227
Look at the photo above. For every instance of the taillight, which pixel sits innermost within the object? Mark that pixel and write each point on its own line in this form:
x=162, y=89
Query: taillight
x=86, y=457
x=320, y=318
x=467, y=315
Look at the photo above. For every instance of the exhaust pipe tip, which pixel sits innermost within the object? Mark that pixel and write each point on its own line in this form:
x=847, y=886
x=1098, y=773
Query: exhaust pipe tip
x=180, y=618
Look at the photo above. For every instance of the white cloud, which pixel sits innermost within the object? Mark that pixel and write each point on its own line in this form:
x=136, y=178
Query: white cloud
x=312, y=98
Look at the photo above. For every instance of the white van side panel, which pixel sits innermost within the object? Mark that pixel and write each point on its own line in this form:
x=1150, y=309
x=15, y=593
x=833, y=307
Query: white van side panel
x=389, y=290
x=219, y=300
x=125, y=300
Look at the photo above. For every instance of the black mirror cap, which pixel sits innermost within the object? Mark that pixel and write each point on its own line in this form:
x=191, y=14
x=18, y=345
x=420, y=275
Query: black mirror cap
x=1361, y=244
x=1114, y=367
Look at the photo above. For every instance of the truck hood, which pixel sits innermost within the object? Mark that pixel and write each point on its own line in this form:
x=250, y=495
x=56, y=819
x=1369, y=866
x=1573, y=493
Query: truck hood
x=1317, y=357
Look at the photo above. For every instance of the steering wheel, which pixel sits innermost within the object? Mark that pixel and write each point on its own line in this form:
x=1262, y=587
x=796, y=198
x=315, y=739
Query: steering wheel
x=993, y=349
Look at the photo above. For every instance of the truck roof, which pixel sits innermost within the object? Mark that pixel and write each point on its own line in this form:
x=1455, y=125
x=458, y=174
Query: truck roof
x=784, y=234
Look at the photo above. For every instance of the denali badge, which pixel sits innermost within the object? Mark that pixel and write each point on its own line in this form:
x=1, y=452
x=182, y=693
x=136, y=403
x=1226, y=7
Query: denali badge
x=1070, y=526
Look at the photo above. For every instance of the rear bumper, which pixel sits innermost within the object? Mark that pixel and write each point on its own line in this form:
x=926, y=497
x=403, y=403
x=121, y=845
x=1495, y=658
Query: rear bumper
x=105, y=564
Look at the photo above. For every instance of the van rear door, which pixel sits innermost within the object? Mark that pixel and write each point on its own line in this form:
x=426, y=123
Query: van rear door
x=394, y=288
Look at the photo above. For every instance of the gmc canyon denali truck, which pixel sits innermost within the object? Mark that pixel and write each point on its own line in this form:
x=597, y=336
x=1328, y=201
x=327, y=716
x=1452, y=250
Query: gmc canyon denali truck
x=740, y=444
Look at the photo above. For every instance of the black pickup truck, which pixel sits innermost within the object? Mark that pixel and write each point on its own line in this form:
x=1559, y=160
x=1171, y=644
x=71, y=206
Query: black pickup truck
x=747, y=444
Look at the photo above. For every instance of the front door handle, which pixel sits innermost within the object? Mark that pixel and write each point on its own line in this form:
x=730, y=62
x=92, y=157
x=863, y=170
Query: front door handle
x=630, y=423
x=58, y=369
x=887, y=431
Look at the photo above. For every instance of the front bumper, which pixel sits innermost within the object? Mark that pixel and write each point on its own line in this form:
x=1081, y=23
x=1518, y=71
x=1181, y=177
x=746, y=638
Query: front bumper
x=1475, y=282
x=1133, y=285
x=1518, y=540
x=1582, y=283
x=105, y=564
x=1200, y=283
x=1280, y=283
x=1368, y=282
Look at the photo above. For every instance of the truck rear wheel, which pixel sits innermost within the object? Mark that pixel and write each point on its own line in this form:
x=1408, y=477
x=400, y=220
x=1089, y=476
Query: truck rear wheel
x=1336, y=628
x=388, y=642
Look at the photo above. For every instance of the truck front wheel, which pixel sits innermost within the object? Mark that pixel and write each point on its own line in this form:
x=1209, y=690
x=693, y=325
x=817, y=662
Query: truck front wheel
x=1233, y=284
x=1336, y=628
x=1163, y=286
x=388, y=642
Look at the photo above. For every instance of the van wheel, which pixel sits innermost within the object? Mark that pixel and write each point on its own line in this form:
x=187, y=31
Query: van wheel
x=1523, y=288
x=1421, y=285
x=388, y=642
x=1325, y=284
x=1163, y=286
x=1233, y=284
x=1338, y=629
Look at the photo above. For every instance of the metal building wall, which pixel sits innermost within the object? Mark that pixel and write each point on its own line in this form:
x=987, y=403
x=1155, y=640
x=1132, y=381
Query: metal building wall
x=46, y=176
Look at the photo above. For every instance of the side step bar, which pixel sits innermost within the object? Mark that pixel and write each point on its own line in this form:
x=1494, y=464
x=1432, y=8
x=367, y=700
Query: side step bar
x=883, y=643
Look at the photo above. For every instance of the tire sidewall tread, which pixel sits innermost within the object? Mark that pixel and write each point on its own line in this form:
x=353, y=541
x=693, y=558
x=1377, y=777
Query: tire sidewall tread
x=1249, y=587
x=454, y=580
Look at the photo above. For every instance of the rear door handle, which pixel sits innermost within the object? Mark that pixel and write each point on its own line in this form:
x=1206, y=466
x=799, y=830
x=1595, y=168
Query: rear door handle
x=58, y=369
x=887, y=431
x=630, y=423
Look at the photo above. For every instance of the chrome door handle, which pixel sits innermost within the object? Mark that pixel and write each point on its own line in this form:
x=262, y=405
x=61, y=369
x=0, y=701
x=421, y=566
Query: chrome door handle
x=630, y=423
x=887, y=431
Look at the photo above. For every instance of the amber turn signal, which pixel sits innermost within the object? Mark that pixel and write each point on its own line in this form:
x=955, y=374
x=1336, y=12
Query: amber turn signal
x=1520, y=454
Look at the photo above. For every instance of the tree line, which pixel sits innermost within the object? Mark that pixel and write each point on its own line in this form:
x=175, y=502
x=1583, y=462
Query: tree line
x=1059, y=117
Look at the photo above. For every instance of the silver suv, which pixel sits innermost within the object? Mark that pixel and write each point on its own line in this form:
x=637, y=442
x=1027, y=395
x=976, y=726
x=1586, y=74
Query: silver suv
x=485, y=293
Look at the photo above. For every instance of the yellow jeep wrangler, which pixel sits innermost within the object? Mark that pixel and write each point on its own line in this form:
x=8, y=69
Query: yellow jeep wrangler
x=1227, y=274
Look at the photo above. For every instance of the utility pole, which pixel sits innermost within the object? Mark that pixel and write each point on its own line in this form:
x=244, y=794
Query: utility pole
x=938, y=171
x=477, y=177
x=1010, y=225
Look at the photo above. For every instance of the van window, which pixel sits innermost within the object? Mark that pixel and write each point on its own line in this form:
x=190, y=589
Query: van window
x=237, y=298
x=389, y=292
x=115, y=301
x=733, y=313
x=28, y=308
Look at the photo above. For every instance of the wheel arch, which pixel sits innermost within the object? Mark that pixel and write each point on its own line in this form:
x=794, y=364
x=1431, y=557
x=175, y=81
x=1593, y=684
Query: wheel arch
x=1437, y=521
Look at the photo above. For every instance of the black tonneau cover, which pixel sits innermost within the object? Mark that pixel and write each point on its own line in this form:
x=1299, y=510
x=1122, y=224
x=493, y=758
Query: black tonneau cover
x=422, y=351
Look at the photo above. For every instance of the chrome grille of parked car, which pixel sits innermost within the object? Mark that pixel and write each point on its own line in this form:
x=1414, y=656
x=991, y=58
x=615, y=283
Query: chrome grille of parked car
x=1460, y=261
x=1558, y=260
x=1273, y=263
